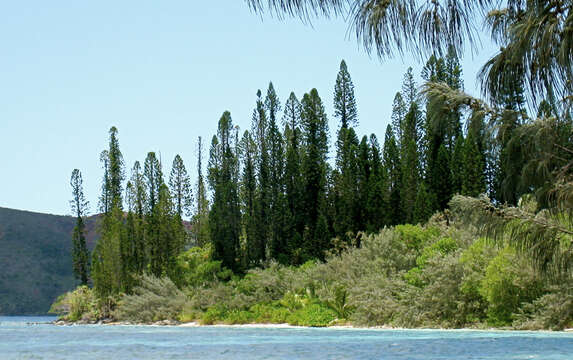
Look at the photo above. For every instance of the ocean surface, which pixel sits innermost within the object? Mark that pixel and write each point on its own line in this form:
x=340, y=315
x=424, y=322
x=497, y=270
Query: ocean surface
x=28, y=338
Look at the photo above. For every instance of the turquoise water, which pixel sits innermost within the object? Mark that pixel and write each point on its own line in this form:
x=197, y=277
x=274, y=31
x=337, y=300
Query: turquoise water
x=19, y=339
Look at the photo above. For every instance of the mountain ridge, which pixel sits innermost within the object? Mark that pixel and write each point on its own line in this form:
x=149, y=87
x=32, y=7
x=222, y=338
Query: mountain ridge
x=35, y=258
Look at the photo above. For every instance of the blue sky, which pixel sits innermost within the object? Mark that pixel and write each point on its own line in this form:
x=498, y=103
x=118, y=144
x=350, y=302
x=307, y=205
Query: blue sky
x=162, y=73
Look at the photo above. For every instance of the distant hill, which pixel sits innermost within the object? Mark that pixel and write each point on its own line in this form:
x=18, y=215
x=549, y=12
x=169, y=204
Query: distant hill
x=35, y=259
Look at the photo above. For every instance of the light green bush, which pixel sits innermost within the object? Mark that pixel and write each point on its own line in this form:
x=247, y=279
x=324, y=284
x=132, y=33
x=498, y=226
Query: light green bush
x=196, y=268
x=80, y=304
x=509, y=282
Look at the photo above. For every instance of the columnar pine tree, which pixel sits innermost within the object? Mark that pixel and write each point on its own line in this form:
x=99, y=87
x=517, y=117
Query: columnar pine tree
x=201, y=218
x=346, y=199
x=363, y=178
x=511, y=161
x=278, y=205
x=248, y=192
x=377, y=204
x=314, y=169
x=79, y=205
x=263, y=202
x=133, y=249
x=137, y=200
x=293, y=178
x=393, y=175
x=225, y=217
x=153, y=175
x=344, y=101
x=399, y=110
x=410, y=162
x=104, y=199
x=180, y=187
x=473, y=176
x=107, y=269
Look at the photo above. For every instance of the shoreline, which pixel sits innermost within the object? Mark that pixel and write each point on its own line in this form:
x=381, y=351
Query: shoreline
x=195, y=324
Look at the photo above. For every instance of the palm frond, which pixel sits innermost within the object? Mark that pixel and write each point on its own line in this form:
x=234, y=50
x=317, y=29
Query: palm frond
x=546, y=237
x=304, y=9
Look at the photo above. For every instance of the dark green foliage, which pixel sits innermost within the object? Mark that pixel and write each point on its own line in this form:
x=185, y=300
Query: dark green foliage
x=346, y=179
x=377, y=209
x=225, y=216
x=116, y=170
x=107, y=268
x=278, y=202
x=410, y=163
x=201, y=217
x=393, y=174
x=346, y=176
x=473, y=176
x=314, y=169
x=443, y=129
x=399, y=110
x=423, y=205
x=344, y=102
x=79, y=205
x=293, y=175
x=180, y=187
x=457, y=167
x=153, y=180
x=248, y=194
x=263, y=201
x=107, y=274
x=134, y=253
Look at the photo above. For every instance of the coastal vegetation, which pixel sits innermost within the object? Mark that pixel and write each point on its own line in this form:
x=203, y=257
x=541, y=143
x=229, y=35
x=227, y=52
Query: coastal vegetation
x=461, y=218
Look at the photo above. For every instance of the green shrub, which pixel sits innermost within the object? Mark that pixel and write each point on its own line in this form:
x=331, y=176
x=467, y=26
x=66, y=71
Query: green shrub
x=213, y=315
x=316, y=315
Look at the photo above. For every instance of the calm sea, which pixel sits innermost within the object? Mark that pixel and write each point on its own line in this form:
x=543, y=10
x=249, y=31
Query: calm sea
x=25, y=338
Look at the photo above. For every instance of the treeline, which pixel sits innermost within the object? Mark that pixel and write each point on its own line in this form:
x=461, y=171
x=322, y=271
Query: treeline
x=276, y=195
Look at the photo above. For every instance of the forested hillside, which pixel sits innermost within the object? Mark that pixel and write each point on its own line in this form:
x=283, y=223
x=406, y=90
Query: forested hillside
x=35, y=260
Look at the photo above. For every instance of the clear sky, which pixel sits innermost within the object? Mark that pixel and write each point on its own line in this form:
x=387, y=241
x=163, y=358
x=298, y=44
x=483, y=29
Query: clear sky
x=162, y=72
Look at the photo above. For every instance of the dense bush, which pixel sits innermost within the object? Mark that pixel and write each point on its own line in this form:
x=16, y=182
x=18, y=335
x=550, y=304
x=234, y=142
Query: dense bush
x=152, y=300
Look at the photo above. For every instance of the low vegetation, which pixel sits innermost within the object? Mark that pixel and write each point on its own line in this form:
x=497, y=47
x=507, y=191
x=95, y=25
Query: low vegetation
x=434, y=276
